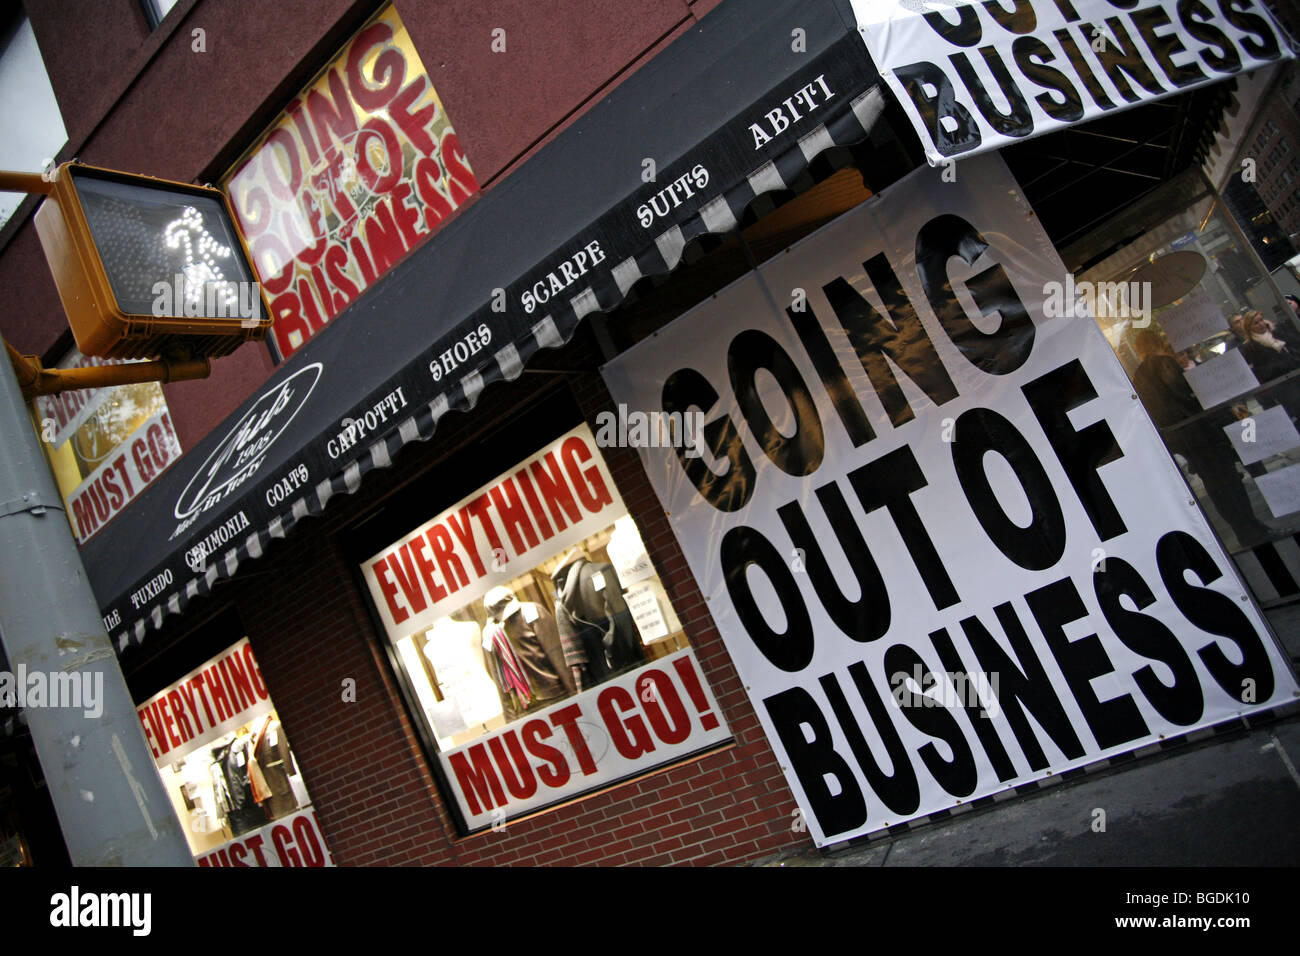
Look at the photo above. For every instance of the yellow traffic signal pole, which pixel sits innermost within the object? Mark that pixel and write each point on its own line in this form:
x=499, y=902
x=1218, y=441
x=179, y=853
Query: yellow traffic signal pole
x=35, y=379
x=106, y=791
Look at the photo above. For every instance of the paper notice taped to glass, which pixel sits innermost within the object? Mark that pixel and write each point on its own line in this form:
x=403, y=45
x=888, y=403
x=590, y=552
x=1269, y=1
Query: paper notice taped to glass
x=649, y=617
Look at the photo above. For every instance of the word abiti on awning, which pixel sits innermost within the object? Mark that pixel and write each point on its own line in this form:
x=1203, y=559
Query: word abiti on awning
x=735, y=108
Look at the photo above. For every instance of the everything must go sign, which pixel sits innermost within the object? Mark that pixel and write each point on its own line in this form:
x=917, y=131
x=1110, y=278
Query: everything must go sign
x=974, y=77
x=940, y=537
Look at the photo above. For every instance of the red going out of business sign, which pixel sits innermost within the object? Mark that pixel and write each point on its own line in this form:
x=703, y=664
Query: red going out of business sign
x=360, y=167
x=551, y=501
x=294, y=840
x=657, y=714
x=126, y=472
x=219, y=697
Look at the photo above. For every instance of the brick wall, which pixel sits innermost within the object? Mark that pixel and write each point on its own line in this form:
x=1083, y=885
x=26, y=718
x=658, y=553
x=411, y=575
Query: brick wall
x=375, y=795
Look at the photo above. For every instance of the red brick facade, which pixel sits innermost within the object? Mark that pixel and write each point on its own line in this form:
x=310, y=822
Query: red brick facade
x=377, y=800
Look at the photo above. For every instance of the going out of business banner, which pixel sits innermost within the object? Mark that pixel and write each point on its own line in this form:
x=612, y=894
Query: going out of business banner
x=939, y=535
x=974, y=77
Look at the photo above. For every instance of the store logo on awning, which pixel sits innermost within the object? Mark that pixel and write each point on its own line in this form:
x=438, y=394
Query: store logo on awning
x=244, y=448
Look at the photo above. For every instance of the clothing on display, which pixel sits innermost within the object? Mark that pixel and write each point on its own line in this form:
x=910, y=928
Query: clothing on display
x=273, y=761
x=234, y=791
x=591, y=614
x=523, y=651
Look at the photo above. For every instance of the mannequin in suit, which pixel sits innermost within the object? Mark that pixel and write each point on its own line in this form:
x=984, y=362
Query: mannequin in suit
x=525, y=660
x=592, y=615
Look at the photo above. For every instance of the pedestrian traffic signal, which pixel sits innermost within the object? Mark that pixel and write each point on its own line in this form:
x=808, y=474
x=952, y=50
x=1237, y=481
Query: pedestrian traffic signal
x=147, y=267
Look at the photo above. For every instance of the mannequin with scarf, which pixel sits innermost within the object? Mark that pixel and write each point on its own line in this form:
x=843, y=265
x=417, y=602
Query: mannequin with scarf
x=522, y=651
x=593, y=618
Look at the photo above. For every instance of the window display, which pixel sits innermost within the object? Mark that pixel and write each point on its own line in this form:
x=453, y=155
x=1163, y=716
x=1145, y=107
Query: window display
x=535, y=598
x=1212, y=351
x=226, y=763
x=105, y=445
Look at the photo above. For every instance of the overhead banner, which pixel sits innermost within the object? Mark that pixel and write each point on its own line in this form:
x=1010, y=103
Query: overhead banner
x=362, y=165
x=974, y=77
x=940, y=537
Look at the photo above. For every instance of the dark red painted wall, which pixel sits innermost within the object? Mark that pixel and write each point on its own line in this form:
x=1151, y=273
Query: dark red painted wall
x=150, y=103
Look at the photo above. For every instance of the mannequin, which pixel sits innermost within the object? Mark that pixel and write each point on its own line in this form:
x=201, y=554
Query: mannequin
x=525, y=660
x=453, y=647
x=592, y=615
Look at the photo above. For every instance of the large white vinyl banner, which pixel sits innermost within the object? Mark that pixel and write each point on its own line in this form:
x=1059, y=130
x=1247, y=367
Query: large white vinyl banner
x=941, y=539
x=977, y=76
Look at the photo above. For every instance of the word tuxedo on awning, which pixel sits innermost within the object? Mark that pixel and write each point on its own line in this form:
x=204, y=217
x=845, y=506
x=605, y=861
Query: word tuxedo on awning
x=941, y=539
x=978, y=76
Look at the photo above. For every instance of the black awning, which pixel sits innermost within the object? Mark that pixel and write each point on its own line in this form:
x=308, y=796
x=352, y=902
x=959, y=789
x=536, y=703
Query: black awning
x=736, y=107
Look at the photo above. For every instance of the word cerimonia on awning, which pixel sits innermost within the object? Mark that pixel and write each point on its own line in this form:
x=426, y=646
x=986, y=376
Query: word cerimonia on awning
x=735, y=108
x=974, y=77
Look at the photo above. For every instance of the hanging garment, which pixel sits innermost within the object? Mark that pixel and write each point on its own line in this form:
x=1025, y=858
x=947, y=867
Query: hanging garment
x=525, y=660
x=590, y=611
x=274, y=761
x=243, y=813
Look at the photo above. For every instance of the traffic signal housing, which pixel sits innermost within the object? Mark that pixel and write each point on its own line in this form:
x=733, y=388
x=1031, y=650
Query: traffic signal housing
x=147, y=267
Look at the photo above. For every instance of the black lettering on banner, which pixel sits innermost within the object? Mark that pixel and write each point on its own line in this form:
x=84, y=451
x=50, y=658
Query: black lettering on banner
x=1164, y=46
x=899, y=791
x=1032, y=56
x=1081, y=451
x=1198, y=20
x=1114, y=721
x=1176, y=554
x=1182, y=703
x=814, y=760
x=933, y=110
x=1038, y=545
x=799, y=454
x=889, y=482
x=1019, y=19
x=843, y=397
x=1234, y=11
x=1080, y=64
x=1118, y=56
x=792, y=649
x=1019, y=121
x=984, y=729
x=965, y=32
x=959, y=775
x=867, y=618
x=999, y=352
x=684, y=390
x=1030, y=687
x=901, y=337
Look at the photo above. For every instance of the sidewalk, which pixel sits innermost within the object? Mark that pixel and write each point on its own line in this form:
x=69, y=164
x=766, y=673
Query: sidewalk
x=1227, y=801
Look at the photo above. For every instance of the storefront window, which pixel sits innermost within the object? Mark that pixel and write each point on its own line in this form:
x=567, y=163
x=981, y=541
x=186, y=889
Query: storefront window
x=360, y=167
x=1214, y=354
x=227, y=766
x=105, y=445
x=538, y=640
